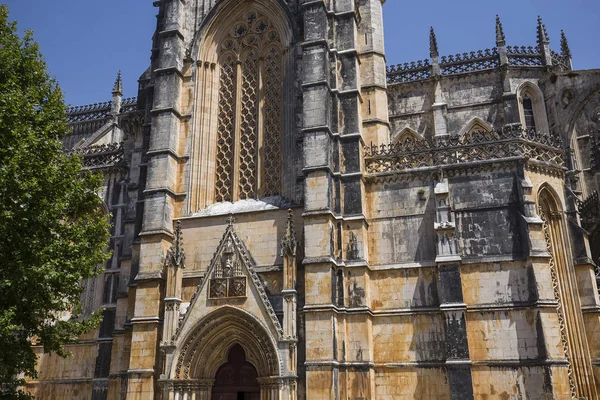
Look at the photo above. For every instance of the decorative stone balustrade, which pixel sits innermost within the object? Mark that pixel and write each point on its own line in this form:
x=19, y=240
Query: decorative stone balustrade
x=469, y=62
x=409, y=72
x=103, y=156
x=481, y=60
x=509, y=142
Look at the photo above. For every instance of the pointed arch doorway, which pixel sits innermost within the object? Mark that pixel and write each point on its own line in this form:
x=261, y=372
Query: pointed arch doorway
x=237, y=378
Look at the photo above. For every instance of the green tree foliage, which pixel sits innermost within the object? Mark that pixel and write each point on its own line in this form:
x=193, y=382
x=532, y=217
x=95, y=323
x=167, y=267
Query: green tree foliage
x=53, y=232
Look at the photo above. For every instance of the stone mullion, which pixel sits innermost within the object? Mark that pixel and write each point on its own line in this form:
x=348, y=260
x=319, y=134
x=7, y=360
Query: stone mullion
x=160, y=197
x=260, y=104
x=235, y=187
x=454, y=310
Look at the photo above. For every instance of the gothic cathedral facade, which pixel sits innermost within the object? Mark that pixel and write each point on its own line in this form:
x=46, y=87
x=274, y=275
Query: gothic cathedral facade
x=294, y=219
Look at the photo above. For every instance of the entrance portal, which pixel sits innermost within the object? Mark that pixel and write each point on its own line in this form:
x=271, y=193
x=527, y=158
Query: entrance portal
x=236, y=379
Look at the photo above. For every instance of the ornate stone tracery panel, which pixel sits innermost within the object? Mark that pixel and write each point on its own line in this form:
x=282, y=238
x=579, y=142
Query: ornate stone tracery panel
x=248, y=163
x=226, y=124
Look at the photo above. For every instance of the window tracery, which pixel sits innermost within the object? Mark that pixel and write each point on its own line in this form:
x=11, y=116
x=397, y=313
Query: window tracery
x=528, y=113
x=248, y=163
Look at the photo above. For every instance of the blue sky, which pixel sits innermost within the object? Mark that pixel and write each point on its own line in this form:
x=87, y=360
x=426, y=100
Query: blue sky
x=86, y=42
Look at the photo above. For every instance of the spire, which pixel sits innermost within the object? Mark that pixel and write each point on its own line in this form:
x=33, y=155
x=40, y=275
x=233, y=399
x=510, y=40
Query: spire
x=565, y=51
x=542, y=34
x=500, y=37
x=118, y=87
x=289, y=243
x=433, y=46
x=176, y=255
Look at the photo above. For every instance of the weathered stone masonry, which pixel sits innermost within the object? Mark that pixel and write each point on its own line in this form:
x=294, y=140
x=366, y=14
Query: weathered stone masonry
x=293, y=219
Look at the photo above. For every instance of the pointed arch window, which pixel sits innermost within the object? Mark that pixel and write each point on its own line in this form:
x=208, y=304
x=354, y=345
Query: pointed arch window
x=532, y=108
x=249, y=126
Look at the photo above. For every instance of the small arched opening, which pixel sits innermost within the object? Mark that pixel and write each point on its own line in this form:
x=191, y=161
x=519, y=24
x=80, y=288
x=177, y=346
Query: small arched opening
x=532, y=108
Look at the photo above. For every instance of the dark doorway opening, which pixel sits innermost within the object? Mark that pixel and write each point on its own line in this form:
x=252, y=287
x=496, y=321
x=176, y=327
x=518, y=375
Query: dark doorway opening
x=236, y=379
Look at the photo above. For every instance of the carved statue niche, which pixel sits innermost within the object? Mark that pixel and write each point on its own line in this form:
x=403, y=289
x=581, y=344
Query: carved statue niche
x=228, y=279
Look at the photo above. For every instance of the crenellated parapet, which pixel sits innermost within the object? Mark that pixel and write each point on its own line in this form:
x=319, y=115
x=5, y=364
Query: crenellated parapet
x=509, y=142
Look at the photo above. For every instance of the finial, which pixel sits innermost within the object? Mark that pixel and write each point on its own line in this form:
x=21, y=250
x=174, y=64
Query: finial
x=118, y=87
x=176, y=255
x=433, y=46
x=542, y=34
x=500, y=37
x=289, y=243
x=565, y=51
x=230, y=220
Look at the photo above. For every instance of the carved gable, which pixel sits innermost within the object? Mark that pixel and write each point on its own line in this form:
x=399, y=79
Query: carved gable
x=231, y=280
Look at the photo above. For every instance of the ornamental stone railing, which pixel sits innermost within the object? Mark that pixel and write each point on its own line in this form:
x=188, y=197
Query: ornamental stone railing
x=524, y=56
x=469, y=62
x=107, y=156
x=509, y=142
x=481, y=60
x=92, y=117
x=409, y=72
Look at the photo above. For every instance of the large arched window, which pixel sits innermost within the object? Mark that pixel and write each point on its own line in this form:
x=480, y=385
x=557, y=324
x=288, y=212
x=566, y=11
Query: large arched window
x=249, y=123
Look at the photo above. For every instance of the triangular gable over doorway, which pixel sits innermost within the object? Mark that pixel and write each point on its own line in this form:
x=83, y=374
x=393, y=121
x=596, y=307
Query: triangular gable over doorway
x=230, y=279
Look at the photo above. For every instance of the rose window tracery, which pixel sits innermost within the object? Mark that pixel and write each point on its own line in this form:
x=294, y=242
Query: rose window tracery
x=248, y=164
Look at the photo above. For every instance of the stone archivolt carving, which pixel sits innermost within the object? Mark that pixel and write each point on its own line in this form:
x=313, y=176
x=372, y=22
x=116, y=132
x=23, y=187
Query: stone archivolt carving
x=208, y=345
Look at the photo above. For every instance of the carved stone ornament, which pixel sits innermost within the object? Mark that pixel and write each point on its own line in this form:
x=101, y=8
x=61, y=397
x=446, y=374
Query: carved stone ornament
x=352, y=247
x=232, y=251
x=566, y=97
x=289, y=243
x=175, y=255
x=228, y=280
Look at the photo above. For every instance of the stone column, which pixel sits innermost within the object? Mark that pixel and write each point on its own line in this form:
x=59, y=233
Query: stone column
x=458, y=364
x=160, y=196
x=270, y=388
x=373, y=74
x=318, y=142
x=290, y=296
